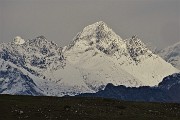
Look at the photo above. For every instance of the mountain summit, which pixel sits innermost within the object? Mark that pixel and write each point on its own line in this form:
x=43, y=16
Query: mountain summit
x=97, y=56
x=98, y=35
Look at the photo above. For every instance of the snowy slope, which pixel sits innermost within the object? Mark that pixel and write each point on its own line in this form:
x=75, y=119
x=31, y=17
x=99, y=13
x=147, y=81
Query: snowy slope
x=17, y=80
x=97, y=56
x=172, y=54
x=14, y=81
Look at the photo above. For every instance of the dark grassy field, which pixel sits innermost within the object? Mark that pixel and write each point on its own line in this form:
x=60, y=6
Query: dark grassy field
x=76, y=108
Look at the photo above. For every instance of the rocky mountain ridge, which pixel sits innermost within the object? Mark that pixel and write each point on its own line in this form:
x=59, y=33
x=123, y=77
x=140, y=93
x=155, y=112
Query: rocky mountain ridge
x=97, y=56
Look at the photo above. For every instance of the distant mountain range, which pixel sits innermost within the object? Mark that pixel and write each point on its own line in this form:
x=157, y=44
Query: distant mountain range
x=167, y=91
x=97, y=56
x=172, y=54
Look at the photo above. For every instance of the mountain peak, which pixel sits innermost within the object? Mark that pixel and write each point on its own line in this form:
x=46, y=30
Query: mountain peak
x=136, y=42
x=40, y=41
x=41, y=37
x=18, y=40
x=136, y=48
x=98, y=26
x=100, y=23
x=97, y=35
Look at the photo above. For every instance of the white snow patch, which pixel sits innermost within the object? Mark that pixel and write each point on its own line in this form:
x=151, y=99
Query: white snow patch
x=18, y=40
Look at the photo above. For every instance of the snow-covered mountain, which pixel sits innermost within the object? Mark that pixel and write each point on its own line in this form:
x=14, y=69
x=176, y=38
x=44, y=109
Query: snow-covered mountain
x=97, y=56
x=172, y=54
x=104, y=58
x=44, y=63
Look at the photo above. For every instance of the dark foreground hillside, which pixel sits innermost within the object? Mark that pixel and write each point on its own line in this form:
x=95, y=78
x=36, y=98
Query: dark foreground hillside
x=78, y=108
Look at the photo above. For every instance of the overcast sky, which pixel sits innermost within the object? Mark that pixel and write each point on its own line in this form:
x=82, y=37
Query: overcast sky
x=156, y=22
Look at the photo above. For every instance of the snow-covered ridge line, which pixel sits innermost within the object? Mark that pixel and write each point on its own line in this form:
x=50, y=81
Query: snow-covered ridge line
x=97, y=56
